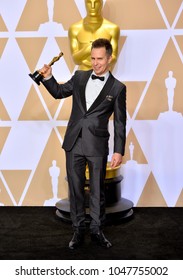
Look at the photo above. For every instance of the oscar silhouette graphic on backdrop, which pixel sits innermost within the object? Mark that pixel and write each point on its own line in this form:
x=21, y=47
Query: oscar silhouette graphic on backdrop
x=52, y=27
x=54, y=172
x=166, y=165
x=87, y=30
x=131, y=162
x=131, y=148
x=170, y=84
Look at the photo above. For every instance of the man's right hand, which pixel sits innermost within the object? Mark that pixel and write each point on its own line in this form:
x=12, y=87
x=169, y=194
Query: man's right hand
x=46, y=71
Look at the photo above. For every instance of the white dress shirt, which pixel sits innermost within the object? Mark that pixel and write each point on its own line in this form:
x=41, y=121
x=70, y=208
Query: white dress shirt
x=93, y=88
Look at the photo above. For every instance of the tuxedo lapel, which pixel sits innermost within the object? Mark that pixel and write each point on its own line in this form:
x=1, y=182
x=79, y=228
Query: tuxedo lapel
x=103, y=93
x=82, y=87
x=82, y=94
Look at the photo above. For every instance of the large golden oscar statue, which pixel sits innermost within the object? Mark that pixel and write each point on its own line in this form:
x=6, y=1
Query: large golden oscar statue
x=92, y=27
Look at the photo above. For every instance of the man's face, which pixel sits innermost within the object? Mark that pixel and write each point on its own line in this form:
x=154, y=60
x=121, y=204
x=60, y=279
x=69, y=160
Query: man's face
x=94, y=7
x=100, y=60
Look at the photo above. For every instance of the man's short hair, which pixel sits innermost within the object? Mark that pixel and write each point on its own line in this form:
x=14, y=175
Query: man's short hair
x=103, y=43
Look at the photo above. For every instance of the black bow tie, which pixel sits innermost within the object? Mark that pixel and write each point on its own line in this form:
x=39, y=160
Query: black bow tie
x=94, y=77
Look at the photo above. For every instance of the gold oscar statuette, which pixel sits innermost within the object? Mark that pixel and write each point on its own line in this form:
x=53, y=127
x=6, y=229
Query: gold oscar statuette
x=37, y=75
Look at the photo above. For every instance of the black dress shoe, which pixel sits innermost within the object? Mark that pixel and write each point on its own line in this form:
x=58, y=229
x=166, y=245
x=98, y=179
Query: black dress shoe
x=76, y=240
x=100, y=239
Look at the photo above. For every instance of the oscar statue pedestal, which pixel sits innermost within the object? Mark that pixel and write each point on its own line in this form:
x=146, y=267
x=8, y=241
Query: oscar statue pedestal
x=117, y=207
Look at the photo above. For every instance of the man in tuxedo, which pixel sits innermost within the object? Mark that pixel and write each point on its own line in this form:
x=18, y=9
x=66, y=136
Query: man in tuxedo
x=96, y=95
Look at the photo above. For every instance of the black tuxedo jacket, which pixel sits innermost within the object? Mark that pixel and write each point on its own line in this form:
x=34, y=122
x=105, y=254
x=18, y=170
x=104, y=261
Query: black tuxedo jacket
x=93, y=122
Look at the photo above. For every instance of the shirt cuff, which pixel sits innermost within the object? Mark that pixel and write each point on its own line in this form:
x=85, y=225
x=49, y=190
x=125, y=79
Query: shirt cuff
x=47, y=78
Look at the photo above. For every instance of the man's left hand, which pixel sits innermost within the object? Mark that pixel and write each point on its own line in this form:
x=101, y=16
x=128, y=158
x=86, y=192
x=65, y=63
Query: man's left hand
x=116, y=160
